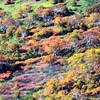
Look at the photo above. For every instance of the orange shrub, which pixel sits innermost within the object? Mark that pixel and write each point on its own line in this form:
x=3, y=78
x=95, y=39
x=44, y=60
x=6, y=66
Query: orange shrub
x=49, y=59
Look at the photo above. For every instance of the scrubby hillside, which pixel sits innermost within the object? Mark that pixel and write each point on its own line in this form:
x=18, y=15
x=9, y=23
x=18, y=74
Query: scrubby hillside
x=49, y=50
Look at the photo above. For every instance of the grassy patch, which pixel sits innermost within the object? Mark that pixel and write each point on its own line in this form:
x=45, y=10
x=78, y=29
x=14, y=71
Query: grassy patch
x=18, y=5
x=81, y=4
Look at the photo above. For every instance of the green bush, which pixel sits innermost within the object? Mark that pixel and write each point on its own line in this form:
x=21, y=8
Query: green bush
x=1, y=98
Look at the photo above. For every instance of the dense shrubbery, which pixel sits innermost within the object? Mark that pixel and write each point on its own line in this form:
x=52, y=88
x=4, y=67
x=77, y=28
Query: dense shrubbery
x=54, y=35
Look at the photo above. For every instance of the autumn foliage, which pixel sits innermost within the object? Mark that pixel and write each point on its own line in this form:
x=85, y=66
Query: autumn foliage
x=49, y=50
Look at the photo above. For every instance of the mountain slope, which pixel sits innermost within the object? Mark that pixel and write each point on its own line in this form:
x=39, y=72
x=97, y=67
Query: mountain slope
x=49, y=50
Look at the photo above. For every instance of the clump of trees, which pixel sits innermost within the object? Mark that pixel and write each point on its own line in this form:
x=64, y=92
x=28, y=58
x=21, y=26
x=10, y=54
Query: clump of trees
x=9, y=2
x=92, y=9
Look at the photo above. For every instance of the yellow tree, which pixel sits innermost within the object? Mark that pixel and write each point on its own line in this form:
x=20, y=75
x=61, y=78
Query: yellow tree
x=10, y=30
x=21, y=32
x=50, y=86
x=58, y=20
